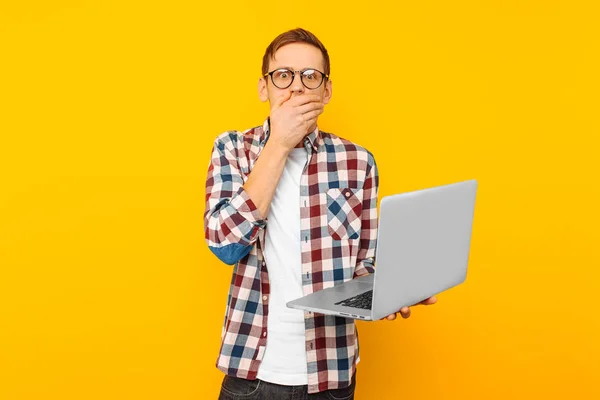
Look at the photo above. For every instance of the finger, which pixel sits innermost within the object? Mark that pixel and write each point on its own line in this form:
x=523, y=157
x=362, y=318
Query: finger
x=312, y=116
x=304, y=99
x=285, y=96
x=303, y=109
x=405, y=312
x=391, y=317
x=429, y=301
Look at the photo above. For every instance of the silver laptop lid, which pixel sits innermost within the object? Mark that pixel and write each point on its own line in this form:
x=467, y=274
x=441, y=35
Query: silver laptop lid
x=423, y=244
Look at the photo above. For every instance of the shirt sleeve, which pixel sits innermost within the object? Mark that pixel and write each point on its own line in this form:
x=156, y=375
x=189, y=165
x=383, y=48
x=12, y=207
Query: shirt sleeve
x=232, y=221
x=368, y=232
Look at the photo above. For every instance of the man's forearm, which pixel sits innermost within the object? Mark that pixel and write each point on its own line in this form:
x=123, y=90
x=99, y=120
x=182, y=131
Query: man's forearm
x=263, y=179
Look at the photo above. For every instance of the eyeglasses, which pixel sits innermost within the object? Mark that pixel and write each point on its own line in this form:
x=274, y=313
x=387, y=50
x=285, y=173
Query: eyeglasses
x=311, y=78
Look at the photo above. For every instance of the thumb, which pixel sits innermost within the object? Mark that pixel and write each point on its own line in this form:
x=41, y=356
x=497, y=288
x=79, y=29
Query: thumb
x=285, y=96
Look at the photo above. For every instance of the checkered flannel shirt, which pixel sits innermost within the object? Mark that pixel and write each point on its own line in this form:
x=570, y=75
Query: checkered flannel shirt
x=338, y=212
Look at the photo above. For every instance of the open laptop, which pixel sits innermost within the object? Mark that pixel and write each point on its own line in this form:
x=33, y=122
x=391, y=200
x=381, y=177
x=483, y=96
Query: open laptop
x=423, y=243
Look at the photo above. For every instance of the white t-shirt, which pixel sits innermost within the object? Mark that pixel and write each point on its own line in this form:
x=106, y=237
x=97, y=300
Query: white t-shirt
x=284, y=360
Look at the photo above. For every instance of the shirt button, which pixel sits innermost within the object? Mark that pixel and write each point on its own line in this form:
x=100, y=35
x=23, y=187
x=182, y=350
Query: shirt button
x=264, y=334
x=265, y=298
x=264, y=263
x=347, y=194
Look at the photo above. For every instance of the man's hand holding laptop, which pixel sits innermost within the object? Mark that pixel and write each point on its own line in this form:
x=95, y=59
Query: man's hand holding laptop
x=405, y=311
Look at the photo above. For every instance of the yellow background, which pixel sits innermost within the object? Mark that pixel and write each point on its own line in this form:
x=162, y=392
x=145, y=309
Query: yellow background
x=107, y=116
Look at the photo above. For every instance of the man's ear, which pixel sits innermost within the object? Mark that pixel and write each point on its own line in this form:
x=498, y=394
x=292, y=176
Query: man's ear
x=263, y=93
x=328, y=92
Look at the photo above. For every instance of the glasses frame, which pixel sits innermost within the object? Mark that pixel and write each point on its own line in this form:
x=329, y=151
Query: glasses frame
x=325, y=77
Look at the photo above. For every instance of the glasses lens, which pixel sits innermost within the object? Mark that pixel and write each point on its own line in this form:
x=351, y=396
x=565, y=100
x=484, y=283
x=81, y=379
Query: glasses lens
x=282, y=78
x=312, y=78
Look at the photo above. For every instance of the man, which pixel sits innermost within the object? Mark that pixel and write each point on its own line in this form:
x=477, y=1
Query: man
x=294, y=209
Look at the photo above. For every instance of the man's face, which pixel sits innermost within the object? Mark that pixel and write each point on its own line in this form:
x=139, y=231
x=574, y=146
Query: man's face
x=296, y=57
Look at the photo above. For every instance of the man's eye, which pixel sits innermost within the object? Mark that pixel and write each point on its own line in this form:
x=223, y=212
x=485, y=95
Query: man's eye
x=282, y=74
x=310, y=74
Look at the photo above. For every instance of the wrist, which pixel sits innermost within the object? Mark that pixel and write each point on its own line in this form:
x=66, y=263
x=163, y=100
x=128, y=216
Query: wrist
x=277, y=149
x=277, y=146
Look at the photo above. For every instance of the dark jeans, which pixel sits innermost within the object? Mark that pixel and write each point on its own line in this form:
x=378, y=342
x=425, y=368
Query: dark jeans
x=241, y=389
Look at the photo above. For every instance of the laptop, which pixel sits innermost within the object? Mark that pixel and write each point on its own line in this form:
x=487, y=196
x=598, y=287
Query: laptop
x=423, y=244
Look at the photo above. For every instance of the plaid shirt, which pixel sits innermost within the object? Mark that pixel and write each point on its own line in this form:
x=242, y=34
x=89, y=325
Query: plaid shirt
x=338, y=212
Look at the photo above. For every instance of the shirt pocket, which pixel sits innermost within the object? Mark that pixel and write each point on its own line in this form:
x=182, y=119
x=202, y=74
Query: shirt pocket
x=344, y=208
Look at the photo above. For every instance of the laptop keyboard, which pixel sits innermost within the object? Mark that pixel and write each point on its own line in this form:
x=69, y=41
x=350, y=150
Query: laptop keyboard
x=362, y=300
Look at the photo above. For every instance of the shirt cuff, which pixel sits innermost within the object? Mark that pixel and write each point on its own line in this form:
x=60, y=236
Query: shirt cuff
x=364, y=267
x=244, y=205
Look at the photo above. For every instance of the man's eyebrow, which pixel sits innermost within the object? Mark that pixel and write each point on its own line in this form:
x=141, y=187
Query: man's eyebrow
x=291, y=69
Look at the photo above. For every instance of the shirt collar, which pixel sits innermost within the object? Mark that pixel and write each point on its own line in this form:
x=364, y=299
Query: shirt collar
x=311, y=140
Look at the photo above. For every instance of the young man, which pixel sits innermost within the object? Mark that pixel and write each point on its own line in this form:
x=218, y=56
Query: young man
x=294, y=209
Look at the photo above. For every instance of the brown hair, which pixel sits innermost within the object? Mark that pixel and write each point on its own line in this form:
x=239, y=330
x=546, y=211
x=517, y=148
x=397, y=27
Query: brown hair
x=297, y=35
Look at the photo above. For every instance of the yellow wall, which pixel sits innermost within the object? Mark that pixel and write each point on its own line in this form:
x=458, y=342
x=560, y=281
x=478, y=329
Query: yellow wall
x=108, y=112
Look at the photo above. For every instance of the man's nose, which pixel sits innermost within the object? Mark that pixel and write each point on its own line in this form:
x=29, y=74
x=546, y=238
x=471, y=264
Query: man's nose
x=297, y=86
